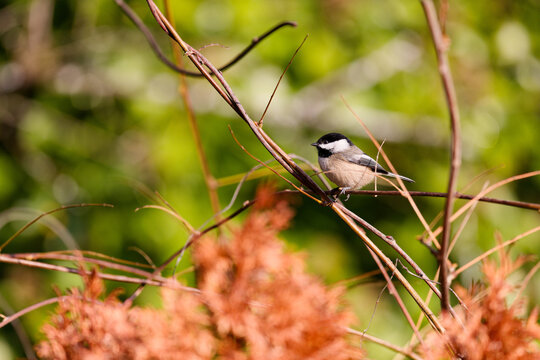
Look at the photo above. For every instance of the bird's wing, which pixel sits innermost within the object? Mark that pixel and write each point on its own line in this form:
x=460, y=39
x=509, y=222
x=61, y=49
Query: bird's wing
x=365, y=160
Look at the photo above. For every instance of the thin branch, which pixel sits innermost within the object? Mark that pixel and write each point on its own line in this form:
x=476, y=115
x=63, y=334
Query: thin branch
x=356, y=279
x=260, y=123
x=269, y=168
x=486, y=191
x=245, y=177
x=150, y=279
x=39, y=255
x=146, y=257
x=255, y=41
x=525, y=282
x=163, y=58
x=209, y=179
x=30, y=308
x=463, y=224
x=194, y=237
x=518, y=204
x=55, y=225
x=170, y=212
x=393, y=291
x=33, y=221
x=425, y=309
x=496, y=248
x=24, y=339
x=421, y=316
x=80, y=259
x=451, y=99
x=384, y=343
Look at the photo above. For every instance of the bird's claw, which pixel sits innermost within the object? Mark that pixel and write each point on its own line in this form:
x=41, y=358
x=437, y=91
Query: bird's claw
x=337, y=192
x=343, y=191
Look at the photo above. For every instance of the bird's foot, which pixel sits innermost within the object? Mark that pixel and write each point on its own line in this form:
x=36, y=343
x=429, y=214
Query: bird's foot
x=344, y=190
x=337, y=192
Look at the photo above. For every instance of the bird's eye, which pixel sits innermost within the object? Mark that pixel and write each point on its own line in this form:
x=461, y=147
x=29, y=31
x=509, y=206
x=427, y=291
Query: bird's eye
x=325, y=142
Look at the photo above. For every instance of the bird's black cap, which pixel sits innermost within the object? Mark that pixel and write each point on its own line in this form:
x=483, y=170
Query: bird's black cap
x=331, y=137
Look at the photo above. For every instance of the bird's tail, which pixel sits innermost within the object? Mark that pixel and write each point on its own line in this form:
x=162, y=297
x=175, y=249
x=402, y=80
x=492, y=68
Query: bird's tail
x=399, y=176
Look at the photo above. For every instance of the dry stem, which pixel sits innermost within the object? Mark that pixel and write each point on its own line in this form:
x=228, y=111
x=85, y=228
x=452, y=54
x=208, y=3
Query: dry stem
x=451, y=99
x=209, y=179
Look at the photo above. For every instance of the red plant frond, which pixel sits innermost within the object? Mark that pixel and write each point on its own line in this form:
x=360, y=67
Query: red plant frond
x=262, y=302
x=492, y=329
x=88, y=328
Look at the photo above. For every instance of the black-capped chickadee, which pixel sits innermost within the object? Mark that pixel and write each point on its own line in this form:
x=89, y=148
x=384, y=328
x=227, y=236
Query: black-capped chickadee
x=346, y=165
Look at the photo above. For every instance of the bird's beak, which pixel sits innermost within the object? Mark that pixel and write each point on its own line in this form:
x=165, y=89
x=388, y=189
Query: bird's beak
x=314, y=144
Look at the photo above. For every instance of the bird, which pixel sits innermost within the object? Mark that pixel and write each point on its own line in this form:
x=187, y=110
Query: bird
x=347, y=165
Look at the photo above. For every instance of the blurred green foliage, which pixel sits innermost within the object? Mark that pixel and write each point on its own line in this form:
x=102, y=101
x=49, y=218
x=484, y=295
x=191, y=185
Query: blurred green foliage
x=89, y=115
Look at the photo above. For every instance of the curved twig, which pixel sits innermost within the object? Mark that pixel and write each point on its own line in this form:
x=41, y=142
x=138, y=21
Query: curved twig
x=18, y=327
x=28, y=224
x=170, y=212
x=28, y=309
x=163, y=58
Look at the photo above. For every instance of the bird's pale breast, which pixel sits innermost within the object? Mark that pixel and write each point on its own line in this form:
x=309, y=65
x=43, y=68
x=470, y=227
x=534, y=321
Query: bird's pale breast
x=346, y=174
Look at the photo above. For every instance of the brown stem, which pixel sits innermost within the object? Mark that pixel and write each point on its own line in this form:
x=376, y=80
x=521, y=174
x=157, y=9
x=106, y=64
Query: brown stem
x=425, y=309
x=390, y=241
x=149, y=278
x=451, y=100
x=496, y=248
x=81, y=259
x=384, y=343
x=209, y=179
x=30, y=308
x=12, y=317
x=519, y=204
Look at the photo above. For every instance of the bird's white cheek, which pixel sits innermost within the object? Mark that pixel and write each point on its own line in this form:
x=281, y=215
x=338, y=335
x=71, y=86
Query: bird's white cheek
x=328, y=146
x=340, y=145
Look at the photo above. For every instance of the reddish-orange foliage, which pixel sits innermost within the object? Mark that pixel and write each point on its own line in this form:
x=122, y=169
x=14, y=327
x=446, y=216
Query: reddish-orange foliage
x=262, y=302
x=492, y=329
x=256, y=302
x=85, y=327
